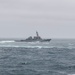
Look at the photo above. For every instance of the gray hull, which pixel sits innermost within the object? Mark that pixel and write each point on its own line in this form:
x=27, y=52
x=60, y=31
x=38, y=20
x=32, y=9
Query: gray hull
x=43, y=40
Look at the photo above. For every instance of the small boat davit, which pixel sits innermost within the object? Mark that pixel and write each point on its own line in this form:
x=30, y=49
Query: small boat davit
x=34, y=39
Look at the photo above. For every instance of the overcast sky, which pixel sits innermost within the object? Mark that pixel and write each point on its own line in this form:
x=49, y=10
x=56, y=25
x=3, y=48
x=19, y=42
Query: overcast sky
x=51, y=18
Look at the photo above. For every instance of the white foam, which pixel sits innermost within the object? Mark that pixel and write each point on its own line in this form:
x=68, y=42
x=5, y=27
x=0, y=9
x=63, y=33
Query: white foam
x=71, y=74
x=70, y=44
x=39, y=47
x=31, y=46
x=7, y=41
x=38, y=42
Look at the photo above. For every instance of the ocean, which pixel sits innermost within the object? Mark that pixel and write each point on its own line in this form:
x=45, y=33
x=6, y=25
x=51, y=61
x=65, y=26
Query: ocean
x=56, y=57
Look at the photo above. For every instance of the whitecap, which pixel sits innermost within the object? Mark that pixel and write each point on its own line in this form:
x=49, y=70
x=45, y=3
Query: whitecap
x=70, y=44
x=7, y=41
x=39, y=47
x=71, y=74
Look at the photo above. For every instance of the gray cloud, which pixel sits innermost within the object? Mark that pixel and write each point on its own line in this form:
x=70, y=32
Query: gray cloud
x=52, y=18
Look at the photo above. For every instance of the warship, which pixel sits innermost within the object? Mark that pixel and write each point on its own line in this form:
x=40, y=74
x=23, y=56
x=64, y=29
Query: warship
x=34, y=39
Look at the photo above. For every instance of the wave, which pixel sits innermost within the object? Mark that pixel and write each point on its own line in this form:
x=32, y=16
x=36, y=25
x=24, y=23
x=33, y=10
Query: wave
x=25, y=46
x=70, y=44
x=36, y=47
x=7, y=41
x=71, y=74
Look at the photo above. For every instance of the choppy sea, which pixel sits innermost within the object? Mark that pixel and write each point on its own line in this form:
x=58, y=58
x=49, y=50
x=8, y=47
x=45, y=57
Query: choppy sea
x=56, y=57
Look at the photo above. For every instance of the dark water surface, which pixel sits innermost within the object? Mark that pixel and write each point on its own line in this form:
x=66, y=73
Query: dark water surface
x=54, y=58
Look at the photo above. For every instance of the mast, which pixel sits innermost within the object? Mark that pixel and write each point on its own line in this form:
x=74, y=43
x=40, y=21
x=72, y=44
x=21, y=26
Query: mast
x=37, y=34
